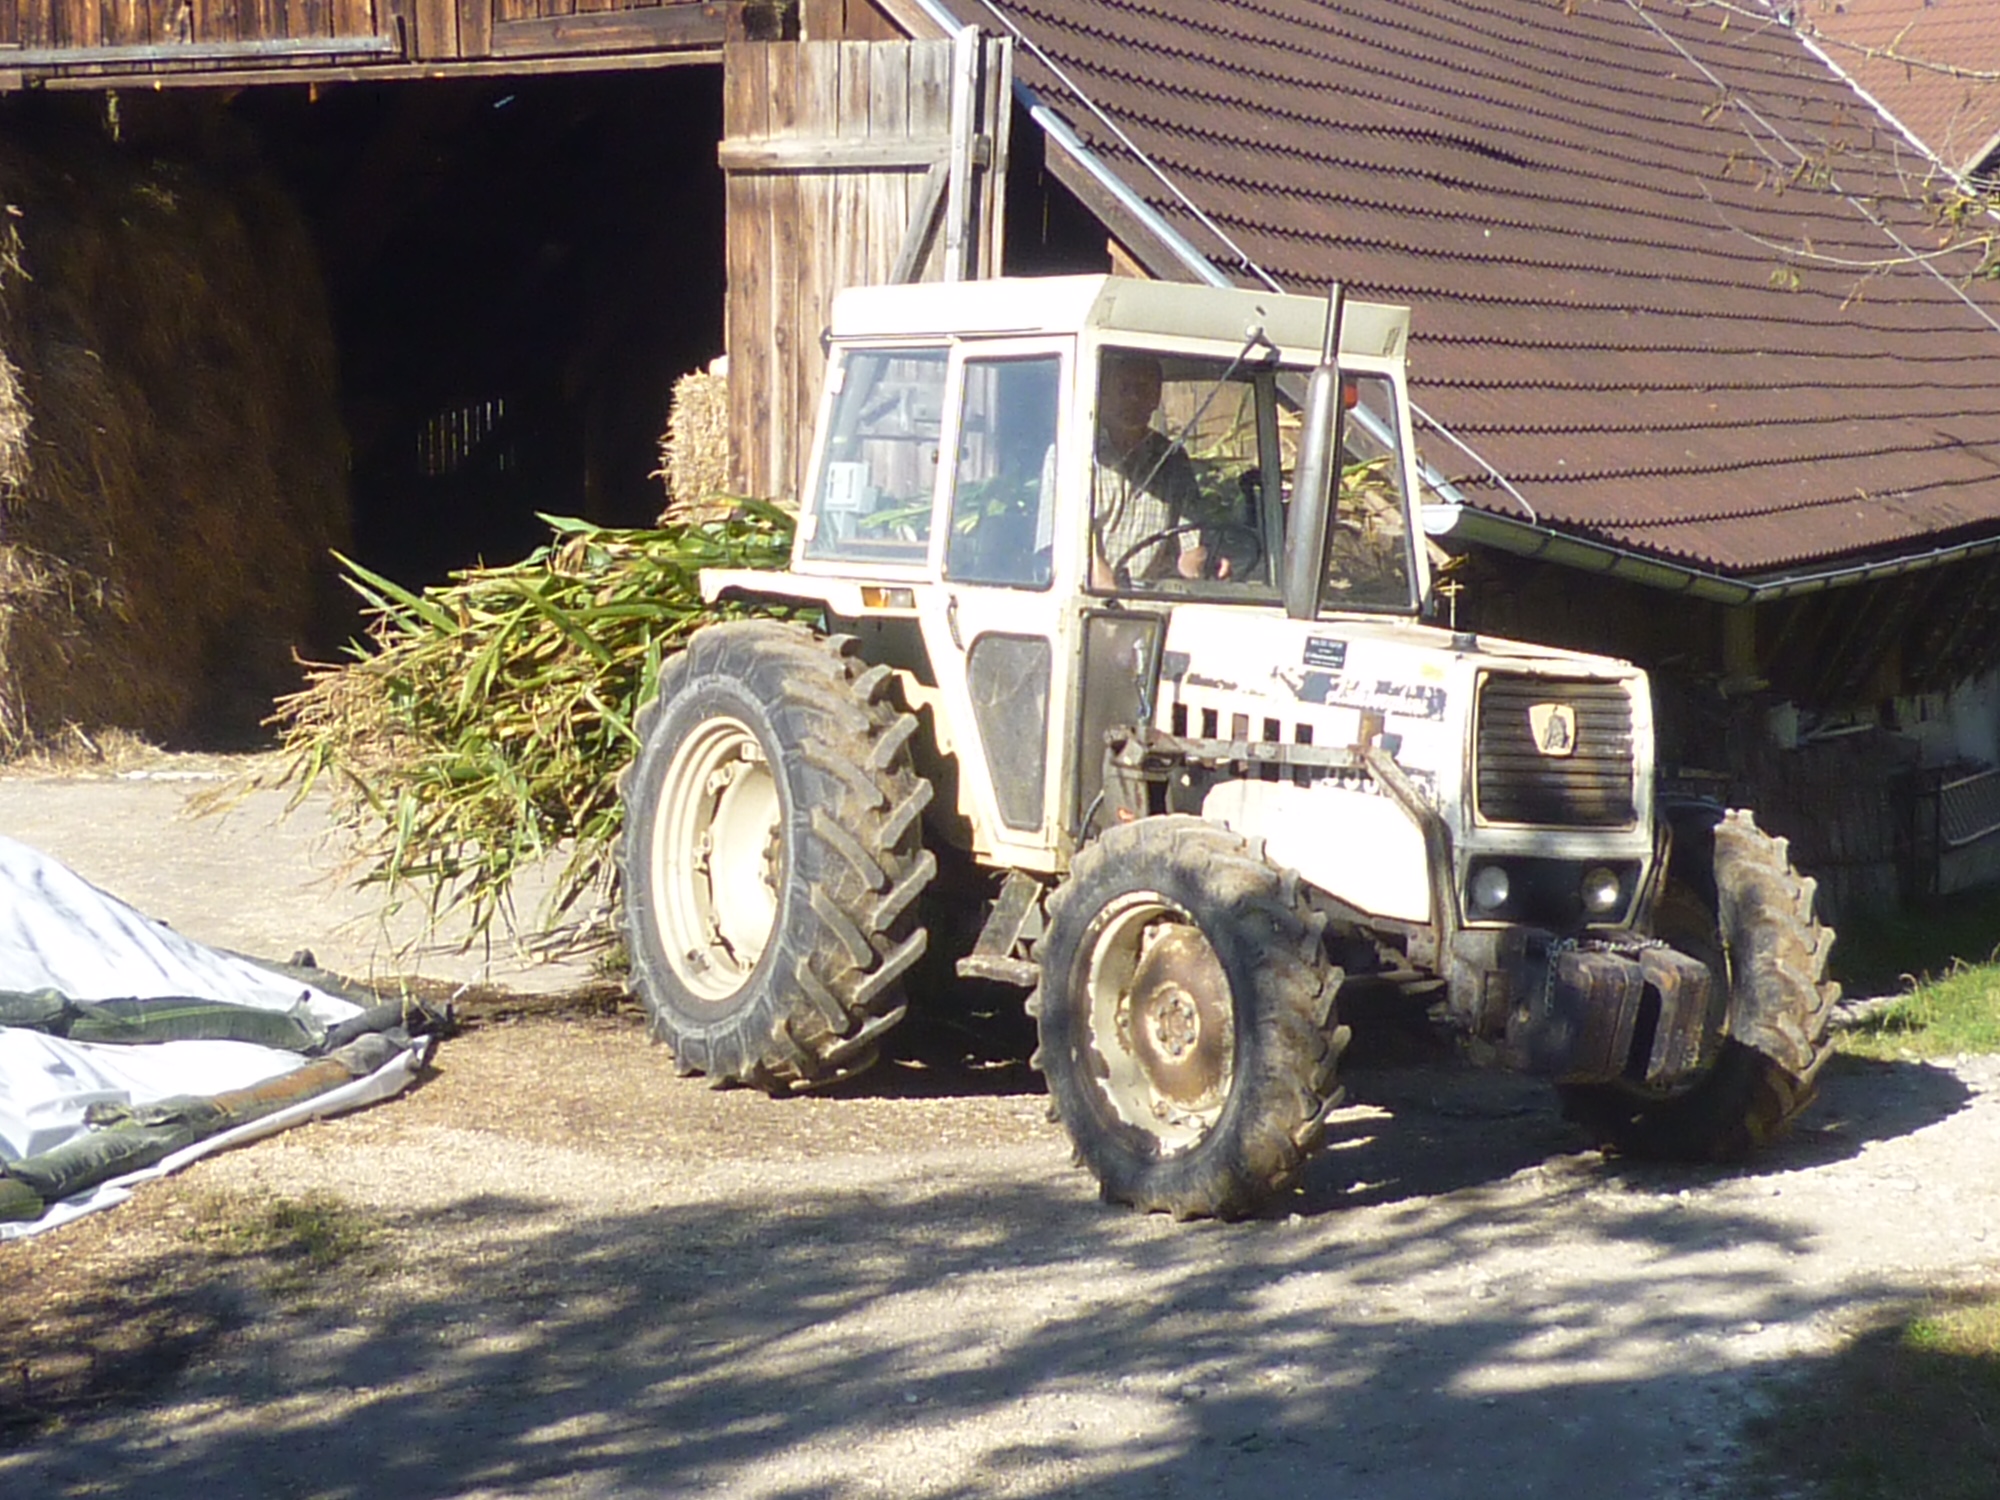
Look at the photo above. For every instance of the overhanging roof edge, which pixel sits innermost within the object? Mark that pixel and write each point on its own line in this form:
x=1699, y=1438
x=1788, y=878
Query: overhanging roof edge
x=1461, y=521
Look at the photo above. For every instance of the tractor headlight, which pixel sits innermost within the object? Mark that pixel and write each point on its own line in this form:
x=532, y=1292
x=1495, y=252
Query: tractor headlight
x=1602, y=891
x=1490, y=888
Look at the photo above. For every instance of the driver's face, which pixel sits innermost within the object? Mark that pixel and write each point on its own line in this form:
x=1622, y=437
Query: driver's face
x=1130, y=396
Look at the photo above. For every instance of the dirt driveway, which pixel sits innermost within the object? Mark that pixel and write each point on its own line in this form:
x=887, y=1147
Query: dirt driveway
x=585, y=1277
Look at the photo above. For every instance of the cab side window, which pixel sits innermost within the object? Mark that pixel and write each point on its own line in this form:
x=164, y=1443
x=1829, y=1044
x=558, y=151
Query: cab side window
x=1003, y=473
x=880, y=475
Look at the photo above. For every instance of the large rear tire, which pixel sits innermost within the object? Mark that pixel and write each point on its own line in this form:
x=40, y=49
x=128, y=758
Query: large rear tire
x=1185, y=1015
x=772, y=857
x=1768, y=954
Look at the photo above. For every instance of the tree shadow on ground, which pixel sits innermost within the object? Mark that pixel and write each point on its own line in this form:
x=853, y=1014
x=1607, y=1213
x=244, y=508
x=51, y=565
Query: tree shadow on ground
x=1432, y=1128
x=958, y=1332
x=962, y=1341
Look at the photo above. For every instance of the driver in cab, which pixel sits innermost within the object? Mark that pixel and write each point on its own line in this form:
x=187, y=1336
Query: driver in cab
x=1144, y=498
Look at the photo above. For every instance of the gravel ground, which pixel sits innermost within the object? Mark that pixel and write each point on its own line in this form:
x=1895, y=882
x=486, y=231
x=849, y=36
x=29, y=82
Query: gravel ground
x=587, y=1277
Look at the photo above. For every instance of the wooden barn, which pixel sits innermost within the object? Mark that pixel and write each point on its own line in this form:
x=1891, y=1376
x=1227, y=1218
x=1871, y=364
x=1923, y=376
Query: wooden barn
x=532, y=215
x=477, y=243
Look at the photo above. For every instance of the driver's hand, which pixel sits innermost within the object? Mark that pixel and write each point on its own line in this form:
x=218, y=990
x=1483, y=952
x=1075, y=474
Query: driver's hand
x=1194, y=564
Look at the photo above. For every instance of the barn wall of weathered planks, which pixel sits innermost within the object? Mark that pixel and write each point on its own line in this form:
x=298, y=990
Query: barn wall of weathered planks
x=849, y=163
x=88, y=43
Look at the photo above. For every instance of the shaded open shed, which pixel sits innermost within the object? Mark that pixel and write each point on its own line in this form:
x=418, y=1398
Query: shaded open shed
x=511, y=230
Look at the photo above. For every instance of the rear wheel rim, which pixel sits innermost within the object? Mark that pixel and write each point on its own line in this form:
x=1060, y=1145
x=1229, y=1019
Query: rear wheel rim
x=717, y=856
x=1161, y=1021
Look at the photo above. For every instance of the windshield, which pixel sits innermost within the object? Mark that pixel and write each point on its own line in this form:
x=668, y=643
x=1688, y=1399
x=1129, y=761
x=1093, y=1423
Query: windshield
x=875, y=487
x=1191, y=475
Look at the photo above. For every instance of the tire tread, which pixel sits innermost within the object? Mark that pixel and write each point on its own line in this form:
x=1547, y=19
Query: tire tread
x=1764, y=1077
x=1276, y=1114
x=846, y=930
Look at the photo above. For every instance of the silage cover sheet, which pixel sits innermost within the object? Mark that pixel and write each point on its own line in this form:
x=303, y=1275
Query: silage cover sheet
x=59, y=932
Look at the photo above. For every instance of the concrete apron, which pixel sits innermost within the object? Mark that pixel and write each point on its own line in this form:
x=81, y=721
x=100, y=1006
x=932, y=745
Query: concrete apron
x=254, y=880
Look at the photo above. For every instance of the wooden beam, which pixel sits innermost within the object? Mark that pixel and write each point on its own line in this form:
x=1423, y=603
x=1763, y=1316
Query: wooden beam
x=911, y=19
x=864, y=23
x=475, y=27
x=958, y=187
x=746, y=113
x=169, y=53
x=1123, y=262
x=125, y=22
x=784, y=62
x=1146, y=247
x=999, y=126
x=352, y=17
x=923, y=224
x=822, y=20
x=436, y=30
x=612, y=31
x=831, y=153
x=586, y=62
x=1741, y=670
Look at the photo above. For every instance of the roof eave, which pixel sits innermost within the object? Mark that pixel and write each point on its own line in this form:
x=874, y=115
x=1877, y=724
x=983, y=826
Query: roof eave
x=1164, y=252
x=907, y=13
x=1463, y=522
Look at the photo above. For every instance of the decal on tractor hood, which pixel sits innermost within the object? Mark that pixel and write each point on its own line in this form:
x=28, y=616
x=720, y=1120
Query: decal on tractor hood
x=1324, y=651
x=1420, y=700
x=1554, y=728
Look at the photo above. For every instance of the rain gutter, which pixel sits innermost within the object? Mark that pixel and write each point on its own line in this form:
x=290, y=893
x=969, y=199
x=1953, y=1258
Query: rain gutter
x=1463, y=522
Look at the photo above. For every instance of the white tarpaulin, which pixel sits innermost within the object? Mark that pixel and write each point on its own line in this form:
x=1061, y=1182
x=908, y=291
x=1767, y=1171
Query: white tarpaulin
x=59, y=933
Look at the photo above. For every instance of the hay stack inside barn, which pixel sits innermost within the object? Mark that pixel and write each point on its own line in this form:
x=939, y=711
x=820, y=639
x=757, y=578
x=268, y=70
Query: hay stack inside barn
x=172, y=467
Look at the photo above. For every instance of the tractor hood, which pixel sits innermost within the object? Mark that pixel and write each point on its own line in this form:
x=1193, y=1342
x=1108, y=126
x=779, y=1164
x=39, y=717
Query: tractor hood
x=1499, y=736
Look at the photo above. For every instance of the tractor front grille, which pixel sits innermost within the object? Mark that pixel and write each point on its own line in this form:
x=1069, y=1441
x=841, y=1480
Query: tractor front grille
x=1555, y=751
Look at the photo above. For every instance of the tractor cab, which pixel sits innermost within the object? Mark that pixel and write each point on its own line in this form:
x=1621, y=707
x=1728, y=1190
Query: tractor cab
x=1014, y=485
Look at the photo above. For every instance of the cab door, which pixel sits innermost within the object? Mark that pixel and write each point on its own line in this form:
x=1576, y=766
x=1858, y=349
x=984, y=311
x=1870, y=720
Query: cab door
x=995, y=626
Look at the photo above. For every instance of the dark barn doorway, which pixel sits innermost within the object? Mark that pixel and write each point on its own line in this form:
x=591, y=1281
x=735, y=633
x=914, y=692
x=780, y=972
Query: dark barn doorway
x=518, y=270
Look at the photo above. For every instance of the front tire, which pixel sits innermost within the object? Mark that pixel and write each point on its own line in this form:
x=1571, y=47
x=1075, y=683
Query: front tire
x=1767, y=952
x=1185, y=1019
x=771, y=857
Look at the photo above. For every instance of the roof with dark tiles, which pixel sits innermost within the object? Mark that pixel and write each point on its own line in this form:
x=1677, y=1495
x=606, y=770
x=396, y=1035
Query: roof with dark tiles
x=1666, y=274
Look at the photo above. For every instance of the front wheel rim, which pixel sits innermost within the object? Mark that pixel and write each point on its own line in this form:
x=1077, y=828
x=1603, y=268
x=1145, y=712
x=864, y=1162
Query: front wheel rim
x=1161, y=1021
x=717, y=858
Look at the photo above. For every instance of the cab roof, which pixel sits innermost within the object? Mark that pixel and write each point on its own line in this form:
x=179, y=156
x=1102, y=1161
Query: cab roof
x=1112, y=305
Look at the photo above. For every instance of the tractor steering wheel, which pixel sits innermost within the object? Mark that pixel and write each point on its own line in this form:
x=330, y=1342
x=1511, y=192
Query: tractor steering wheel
x=1123, y=562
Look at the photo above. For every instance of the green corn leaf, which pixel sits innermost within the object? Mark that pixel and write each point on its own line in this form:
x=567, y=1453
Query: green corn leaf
x=484, y=722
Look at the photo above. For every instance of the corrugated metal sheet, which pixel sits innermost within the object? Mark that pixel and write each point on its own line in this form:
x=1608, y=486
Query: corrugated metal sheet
x=1668, y=273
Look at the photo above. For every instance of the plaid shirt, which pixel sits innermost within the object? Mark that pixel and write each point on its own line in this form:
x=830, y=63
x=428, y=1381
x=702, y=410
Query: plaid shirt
x=1138, y=494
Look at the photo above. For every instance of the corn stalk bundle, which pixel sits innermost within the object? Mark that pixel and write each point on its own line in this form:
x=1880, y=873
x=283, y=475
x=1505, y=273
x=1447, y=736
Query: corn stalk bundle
x=483, y=725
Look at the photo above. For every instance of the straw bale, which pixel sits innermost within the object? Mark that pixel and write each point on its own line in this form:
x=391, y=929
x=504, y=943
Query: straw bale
x=694, y=450
x=172, y=467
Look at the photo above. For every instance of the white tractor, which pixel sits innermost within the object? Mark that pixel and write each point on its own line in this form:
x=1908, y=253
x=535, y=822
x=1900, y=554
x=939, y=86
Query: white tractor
x=1107, y=601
